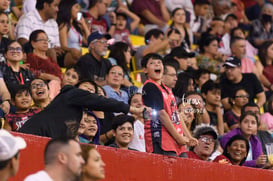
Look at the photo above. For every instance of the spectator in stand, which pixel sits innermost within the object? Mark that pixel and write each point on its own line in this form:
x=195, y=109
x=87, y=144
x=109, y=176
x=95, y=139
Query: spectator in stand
x=237, y=100
x=217, y=28
x=73, y=32
x=209, y=58
x=121, y=54
x=267, y=117
x=153, y=14
x=221, y=8
x=183, y=57
x=93, y=169
x=4, y=29
x=123, y=131
x=202, y=76
x=4, y=5
x=63, y=161
x=22, y=100
x=92, y=65
x=248, y=127
x=187, y=112
x=5, y=97
x=13, y=73
x=92, y=131
x=234, y=78
x=41, y=65
x=238, y=8
x=138, y=141
x=262, y=133
x=178, y=17
x=155, y=43
x=207, y=143
x=39, y=89
x=236, y=151
x=80, y=131
x=229, y=24
x=238, y=49
x=43, y=17
x=170, y=76
x=200, y=113
x=176, y=39
x=266, y=57
x=211, y=92
x=251, y=52
x=184, y=84
x=120, y=32
x=167, y=134
x=62, y=117
x=96, y=9
x=199, y=25
x=71, y=76
x=262, y=28
x=10, y=154
x=186, y=5
x=114, y=79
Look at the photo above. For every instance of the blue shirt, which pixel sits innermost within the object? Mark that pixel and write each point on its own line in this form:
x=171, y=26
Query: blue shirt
x=120, y=96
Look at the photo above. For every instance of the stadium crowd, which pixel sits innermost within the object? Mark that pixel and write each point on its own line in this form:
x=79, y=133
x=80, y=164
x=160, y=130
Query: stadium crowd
x=199, y=86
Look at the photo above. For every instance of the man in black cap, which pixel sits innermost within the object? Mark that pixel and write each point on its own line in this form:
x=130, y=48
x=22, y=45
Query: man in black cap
x=182, y=56
x=233, y=78
x=92, y=65
x=207, y=142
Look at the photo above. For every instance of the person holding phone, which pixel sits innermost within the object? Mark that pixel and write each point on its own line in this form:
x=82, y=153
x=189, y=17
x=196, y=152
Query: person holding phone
x=73, y=31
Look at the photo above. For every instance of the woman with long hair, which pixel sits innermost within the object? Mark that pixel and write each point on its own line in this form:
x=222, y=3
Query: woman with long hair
x=120, y=54
x=265, y=54
x=73, y=31
x=178, y=17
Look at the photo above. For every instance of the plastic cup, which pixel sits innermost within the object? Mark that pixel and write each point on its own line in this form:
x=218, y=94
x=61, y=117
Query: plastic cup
x=269, y=150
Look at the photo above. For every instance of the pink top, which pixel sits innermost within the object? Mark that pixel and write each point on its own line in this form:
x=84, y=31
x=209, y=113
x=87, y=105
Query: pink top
x=267, y=118
x=247, y=65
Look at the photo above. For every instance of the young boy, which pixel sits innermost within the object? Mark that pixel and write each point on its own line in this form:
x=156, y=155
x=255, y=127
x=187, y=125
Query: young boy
x=119, y=22
x=71, y=76
x=123, y=130
x=212, y=93
x=202, y=76
x=163, y=134
x=21, y=98
x=201, y=8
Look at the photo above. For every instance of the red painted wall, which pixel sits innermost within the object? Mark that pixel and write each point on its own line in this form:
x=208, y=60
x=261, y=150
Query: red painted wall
x=135, y=166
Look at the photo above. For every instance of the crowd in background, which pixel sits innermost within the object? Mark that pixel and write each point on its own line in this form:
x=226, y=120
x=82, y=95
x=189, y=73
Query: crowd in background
x=69, y=68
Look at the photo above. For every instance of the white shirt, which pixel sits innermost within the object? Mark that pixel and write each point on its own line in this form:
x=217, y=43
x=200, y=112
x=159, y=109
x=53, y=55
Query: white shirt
x=28, y=5
x=39, y=176
x=33, y=21
x=138, y=141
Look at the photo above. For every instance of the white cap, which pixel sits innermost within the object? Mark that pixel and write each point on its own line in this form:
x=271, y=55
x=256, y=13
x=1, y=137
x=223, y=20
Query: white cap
x=10, y=145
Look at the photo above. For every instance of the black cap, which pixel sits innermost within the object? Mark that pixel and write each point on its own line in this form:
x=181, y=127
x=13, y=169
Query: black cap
x=96, y=36
x=180, y=52
x=232, y=61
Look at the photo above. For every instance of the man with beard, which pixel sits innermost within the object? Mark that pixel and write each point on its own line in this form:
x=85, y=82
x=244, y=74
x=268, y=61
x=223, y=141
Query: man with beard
x=92, y=65
x=63, y=161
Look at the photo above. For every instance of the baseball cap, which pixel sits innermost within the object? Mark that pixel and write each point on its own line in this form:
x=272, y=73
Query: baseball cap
x=204, y=130
x=181, y=52
x=10, y=145
x=232, y=62
x=97, y=35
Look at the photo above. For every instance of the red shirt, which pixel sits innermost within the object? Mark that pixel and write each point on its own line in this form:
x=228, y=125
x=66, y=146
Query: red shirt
x=96, y=24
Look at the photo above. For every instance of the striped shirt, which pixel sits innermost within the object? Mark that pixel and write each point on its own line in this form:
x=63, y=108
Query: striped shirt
x=33, y=21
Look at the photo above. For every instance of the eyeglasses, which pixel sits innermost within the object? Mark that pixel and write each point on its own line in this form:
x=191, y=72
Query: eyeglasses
x=100, y=41
x=15, y=49
x=116, y=73
x=242, y=96
x=47, y=40
x=38, y=85
x=207, y=140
